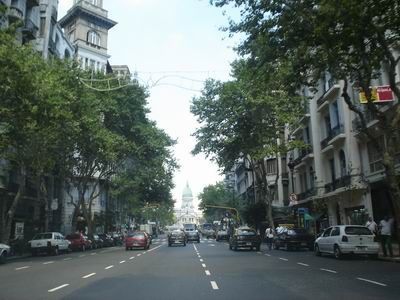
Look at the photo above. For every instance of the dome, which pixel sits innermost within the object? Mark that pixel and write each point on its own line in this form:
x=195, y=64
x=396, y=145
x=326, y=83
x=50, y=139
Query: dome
x=187, y=192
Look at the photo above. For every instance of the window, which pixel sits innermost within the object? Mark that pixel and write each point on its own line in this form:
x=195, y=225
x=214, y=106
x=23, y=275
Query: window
x=42, y=26
x=342, y=158
x=93, y=38
x=312, y=179
x=335, y=231
x=332, y=169
x=375, y=158
x=327, y=232
x=271, y=166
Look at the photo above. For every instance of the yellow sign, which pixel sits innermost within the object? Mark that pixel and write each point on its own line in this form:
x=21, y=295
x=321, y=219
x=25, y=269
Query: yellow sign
x=378, y=94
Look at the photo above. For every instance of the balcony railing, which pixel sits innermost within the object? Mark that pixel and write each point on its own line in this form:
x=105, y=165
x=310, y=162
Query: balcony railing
x=309, y=193
x=338, y=183
x=29, y=30
x=333, y=132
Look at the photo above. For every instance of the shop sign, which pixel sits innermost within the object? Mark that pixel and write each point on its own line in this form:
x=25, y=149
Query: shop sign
x=379, y=94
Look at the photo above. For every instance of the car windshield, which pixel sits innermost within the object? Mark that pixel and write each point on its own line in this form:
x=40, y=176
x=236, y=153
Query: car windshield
x=246, y=232
x=355, y=230
x=43, y=236
x=136, y=234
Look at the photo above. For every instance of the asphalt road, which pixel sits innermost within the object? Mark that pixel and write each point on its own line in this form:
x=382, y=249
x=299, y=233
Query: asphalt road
x=208, y=270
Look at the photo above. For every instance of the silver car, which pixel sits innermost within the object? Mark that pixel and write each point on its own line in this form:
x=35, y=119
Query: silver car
x=4, y=252
x=347, y=239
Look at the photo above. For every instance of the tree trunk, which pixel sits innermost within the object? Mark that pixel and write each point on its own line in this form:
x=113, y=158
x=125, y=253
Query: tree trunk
x=9, y=215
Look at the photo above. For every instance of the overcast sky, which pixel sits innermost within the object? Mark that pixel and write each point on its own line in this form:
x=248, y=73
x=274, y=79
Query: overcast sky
x=174, y=45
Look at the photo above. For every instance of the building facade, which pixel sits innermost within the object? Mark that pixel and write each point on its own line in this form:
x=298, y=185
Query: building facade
x=187, y=213
x=86, y=25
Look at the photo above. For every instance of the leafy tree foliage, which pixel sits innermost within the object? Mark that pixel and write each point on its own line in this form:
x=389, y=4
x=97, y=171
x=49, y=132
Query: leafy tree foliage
x=353, y=40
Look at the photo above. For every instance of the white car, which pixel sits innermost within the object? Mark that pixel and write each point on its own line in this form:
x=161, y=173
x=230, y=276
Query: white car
x=49, y=242
x=347, y=239
x=4, y=252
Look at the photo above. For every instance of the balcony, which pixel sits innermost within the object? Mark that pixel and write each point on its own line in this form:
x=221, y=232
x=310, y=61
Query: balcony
x=29, y=30
x=303, y=153
x=15, y=14
x=322, y=101
x=334, y=134
x=338, y=183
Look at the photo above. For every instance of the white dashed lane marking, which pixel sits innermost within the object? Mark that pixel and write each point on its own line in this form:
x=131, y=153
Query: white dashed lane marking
x=122, y=261
x=22, y=268
x=208, y=273
x=214, y=285
x=48, y=262
x=59, y=287
x=204, y=265
x=371, y=281
x=132, y=257
x=88, y=275
x=327, y=270
x=303, y=264
x=109, y=267
x=68, y=258
x=284, y=259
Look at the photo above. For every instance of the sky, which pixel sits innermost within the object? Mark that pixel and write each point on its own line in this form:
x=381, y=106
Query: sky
x=173, y=45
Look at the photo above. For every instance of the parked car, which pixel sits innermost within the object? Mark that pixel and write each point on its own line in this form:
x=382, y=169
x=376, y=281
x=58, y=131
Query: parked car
x=79, y=241
x=293, y=238
x=49, y=242
x=4, y=252
x=117, y=238
x=108, y=241
x=222, y=235
x=177, y=237
x=137, y=239
x=347, y=239
x=244, y=237
x=97, y=242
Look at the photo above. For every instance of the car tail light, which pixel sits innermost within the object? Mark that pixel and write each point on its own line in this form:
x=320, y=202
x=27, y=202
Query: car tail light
x=345, y=239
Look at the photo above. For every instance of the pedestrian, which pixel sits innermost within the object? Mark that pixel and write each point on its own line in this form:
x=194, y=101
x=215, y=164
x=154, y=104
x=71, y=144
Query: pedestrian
x=269, y=236
x=372, y=226
x=385, y=227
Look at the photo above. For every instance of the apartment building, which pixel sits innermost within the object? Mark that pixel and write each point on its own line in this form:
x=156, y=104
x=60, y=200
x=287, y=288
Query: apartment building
x=337, y=176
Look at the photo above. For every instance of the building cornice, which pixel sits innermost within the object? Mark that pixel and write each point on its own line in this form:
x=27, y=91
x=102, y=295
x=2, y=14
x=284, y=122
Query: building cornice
x=78, y=11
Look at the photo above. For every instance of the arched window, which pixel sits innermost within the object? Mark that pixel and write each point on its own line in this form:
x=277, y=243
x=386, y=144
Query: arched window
x=67, y=54
x=343, y=168
x=93, y=38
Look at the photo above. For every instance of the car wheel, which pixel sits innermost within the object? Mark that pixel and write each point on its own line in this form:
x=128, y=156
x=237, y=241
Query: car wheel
x=169, y=244
x=55, y=251
x=3, y=257
x=235, y=248
x=316, y=250
x=34, y=253
x=337, y=253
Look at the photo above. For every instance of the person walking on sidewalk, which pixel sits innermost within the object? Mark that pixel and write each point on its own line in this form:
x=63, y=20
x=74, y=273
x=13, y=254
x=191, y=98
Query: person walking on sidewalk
x=386, y=235
x=269, y=236
x=372, y=226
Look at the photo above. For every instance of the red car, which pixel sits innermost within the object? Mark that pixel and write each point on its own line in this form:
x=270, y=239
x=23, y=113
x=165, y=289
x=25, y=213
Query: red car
x=137, y=239
x=79, y=241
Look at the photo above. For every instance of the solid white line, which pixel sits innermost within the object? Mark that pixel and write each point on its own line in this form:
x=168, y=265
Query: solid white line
x=57, y=288
x=303, y=264
x=109, y=267
x=89, y=275
x=204, y=265
x=132, y=257
x=139, y=254
x=214, y=285
x=21, y=268
x=371, y=281
x=207, y=273
x=327, y=270
x=201, y=260
x=122, y=261
x=48, y=262
x=68, y=258
x=281, y=258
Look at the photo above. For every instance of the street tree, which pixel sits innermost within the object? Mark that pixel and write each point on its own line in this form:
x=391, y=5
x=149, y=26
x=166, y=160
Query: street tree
x=246, y=119
x=355, y=41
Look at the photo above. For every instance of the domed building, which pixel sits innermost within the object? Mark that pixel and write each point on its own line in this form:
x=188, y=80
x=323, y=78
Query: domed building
x=187, y=214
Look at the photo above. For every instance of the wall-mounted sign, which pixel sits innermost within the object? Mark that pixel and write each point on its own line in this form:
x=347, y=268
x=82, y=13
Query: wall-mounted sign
x=379, y=94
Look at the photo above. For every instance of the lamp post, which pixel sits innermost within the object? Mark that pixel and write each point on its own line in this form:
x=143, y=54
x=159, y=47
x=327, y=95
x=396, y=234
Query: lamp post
x=291, y=165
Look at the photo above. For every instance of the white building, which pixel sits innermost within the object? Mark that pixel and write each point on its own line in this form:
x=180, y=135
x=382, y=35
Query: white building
x=187, y=214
